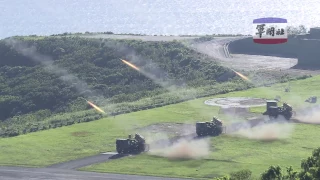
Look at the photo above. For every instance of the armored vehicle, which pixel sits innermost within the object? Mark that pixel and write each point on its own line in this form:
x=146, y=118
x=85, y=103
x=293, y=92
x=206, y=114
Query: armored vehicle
x=273, y=111
x=210, y=128
x=132, y=145
x=312, y=99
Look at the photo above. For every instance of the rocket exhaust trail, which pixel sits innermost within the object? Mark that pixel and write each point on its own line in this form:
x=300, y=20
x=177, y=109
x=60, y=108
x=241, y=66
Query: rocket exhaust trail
x=129, y=64
x=241, y=75
x=94, y=106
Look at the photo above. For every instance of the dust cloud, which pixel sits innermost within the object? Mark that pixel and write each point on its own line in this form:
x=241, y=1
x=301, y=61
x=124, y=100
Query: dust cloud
x=183, y=149
x=265, y=131
x=309, y=116
x=179, y=148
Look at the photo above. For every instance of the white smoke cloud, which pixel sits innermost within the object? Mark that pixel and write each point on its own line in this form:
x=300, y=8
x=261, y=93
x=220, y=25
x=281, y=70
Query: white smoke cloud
x=266, y=131
x=184, y=147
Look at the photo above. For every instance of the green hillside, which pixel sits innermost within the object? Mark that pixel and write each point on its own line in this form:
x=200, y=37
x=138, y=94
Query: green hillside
x=31, y=90
x=44, y=87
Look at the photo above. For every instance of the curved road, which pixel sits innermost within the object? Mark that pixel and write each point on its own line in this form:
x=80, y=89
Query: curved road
x=218, y=49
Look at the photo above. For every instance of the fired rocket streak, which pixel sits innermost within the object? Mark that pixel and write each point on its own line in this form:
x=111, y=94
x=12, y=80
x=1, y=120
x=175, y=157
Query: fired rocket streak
x=129, y=64
x=241, y=75
x=94, y=106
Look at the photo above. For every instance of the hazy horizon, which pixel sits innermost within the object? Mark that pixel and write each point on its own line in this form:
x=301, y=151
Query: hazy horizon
x=44, y=17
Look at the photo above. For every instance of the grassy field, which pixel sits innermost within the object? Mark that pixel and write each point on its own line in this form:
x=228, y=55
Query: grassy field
x=231, y=154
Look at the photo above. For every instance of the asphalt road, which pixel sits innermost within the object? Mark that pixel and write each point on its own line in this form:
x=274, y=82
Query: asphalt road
x=78, y=163
x=18, y=173
x=218, y=49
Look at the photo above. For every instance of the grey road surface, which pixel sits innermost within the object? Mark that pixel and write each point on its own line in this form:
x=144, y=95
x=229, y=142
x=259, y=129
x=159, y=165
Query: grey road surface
x=218, y=49
x=78, y=163
x=19, y=173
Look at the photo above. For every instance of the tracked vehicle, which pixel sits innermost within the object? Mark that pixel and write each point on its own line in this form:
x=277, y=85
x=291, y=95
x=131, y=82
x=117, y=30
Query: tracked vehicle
x=273, y=111
x=312, y=99
x=211, y=128
x=131, y=145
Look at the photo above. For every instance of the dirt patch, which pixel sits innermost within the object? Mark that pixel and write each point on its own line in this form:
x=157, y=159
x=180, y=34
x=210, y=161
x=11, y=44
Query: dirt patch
x=81, y=133
x=237, y=112
x=243, y=102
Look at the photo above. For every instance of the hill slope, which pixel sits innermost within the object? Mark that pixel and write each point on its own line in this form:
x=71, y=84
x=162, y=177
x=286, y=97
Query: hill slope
x=54, y=76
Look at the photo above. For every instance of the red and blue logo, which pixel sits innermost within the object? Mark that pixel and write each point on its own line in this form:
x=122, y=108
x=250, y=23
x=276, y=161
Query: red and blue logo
x=270, y=30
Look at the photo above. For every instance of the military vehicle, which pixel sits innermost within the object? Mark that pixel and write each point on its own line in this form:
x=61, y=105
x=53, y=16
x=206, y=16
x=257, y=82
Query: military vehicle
x=312, y=99
x=273, y=111
x=211, y=128
x=132, y=145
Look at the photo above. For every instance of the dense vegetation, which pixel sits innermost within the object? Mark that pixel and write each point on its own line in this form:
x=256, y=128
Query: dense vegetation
x=310, y=170
x=33, y=88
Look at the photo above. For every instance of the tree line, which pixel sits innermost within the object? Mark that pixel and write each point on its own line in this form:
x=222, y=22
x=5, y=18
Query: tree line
x=310, y=170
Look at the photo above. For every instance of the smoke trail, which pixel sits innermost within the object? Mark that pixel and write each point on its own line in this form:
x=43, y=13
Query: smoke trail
x=169, y=85
x=48, y=63
x=150, y=69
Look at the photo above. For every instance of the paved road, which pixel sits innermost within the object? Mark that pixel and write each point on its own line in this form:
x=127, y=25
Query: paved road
x=78, y=163
x=18, y=173
x=218, y=49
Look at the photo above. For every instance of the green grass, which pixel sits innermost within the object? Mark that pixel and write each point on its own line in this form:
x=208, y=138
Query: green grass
x=67, y=143
x=232, y=154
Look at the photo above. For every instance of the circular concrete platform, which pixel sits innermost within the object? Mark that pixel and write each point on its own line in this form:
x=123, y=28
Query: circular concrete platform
x=244, y=102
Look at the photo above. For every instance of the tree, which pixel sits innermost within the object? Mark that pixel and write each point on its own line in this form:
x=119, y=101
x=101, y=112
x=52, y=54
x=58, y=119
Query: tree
x=241, y=175
x=291, y=174
x=311, y=166
x=273, y=173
